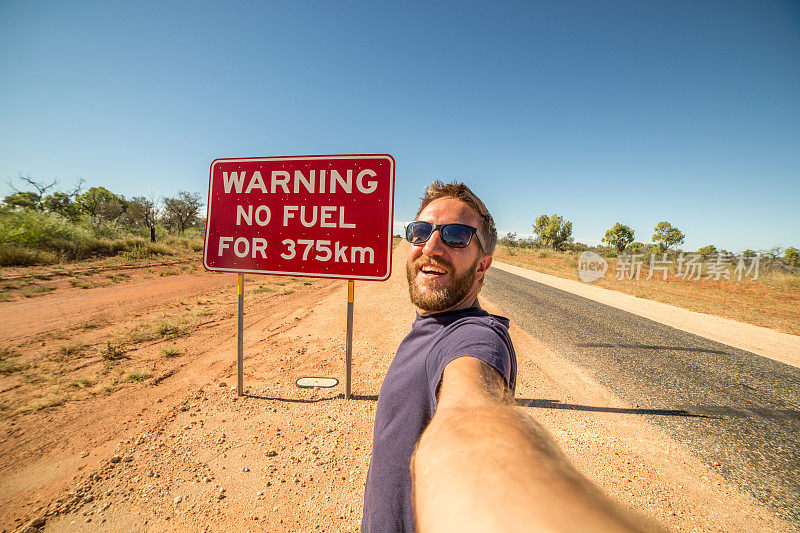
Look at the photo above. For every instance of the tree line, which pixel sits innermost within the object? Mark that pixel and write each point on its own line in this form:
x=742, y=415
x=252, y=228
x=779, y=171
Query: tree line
x=553, y=231
x=99, y=205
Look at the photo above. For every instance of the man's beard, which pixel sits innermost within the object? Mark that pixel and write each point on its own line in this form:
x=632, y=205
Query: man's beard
x=435, y=300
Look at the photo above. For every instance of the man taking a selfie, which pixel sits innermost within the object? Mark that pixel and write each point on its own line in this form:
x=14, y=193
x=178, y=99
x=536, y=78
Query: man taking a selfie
x=480, y=464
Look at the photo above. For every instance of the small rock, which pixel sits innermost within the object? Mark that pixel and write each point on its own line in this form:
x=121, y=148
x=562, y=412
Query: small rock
x=88, y=499
x=127, y=459
x=245, y=469
x=271, y=453
x=37, y=522
x=85, y=453
x=178, y=500
x=116, y=458
x=222, y=384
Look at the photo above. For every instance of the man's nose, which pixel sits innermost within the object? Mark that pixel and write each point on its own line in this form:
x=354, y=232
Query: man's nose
x=434, y=245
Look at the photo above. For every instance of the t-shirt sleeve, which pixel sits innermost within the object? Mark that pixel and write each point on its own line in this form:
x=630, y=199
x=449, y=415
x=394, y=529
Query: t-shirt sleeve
x=470, y=339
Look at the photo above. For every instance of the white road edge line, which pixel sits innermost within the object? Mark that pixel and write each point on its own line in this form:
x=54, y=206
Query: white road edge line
x=775, y=345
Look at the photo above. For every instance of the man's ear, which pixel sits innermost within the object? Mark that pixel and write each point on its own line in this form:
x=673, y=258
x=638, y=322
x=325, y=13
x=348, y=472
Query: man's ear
x=483, y=266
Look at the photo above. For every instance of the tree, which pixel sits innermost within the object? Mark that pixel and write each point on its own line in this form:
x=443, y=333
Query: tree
x=667, y=235
x=24, y=200
x=183, y=210
x=619, y=236
x=636, y=248
x=102, y=204
x=61, y=203
x=142, y=211
x=509, y=240
x=28, y=199
x=791, y=256
x=553, y=231
x=57, y=202
x=707, y=251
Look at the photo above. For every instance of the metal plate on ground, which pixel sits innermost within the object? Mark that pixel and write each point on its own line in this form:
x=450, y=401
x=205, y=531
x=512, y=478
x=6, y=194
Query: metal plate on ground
x=316, y=382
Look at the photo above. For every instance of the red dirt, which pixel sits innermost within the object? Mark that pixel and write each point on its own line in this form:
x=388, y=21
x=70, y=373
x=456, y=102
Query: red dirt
x=179, y=450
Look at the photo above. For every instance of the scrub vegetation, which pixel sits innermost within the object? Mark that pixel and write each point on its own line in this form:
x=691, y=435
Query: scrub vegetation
x=772, y=300
x=41, y=226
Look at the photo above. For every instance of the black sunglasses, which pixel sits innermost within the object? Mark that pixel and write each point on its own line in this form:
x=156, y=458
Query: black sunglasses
x=454, y=235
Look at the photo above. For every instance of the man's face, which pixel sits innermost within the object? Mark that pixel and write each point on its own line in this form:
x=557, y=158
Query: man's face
x=442, y=278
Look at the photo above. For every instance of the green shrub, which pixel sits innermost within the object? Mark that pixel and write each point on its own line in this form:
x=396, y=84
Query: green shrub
x=34, y=229
x=112, y=352
x=29, y=237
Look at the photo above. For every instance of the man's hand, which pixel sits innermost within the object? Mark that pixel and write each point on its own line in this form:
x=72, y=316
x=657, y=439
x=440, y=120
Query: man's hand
x=482, y=465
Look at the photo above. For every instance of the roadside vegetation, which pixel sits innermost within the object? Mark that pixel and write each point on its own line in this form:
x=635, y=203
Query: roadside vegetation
x=768, y=295
x=42, y=226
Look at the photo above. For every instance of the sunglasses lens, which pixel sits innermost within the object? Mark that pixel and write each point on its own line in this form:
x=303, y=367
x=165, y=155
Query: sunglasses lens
x=456, y=235
x=418, y=232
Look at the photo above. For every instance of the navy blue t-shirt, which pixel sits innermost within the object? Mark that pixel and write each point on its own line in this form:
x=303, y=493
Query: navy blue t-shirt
x=407, y=402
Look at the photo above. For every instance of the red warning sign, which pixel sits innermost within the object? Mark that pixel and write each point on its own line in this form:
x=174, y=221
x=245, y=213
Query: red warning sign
x=323, y=216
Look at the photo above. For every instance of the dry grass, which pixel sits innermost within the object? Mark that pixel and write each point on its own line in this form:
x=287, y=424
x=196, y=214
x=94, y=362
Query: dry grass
x=82, y=383
x=138, y=376
x=9, y=367
x=36, y=290
x=70, y=351
x=772, y=301
x=43, y=402
x=170, y=351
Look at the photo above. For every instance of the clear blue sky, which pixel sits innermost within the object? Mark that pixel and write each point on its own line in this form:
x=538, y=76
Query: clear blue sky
x=602, y=112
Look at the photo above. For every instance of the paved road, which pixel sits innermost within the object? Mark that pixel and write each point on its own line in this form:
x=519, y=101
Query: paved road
x=738, y=412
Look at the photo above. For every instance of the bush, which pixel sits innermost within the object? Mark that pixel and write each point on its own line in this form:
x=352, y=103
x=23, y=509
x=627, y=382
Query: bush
x=34, y=229
x=30, y=237
x=112, y=352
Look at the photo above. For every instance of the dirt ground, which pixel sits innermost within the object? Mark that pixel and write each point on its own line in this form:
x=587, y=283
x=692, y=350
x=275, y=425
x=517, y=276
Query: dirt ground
x=120, y=410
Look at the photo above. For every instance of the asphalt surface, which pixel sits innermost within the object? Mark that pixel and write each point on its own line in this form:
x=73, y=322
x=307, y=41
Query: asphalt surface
x=738, y=412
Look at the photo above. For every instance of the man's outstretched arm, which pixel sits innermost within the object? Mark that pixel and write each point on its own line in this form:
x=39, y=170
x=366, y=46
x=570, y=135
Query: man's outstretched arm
x=482, y=465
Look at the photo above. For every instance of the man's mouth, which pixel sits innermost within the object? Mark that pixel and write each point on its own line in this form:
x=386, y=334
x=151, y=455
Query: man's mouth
x=432, y=271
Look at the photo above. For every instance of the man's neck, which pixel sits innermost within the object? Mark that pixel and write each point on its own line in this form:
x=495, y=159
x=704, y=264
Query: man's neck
x=466, y=303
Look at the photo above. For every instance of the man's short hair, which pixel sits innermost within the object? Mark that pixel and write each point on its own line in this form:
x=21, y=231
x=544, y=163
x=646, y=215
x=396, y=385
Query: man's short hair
x=436, y=190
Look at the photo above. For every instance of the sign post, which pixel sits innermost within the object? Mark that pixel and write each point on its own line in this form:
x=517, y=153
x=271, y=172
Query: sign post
x=327, y=216
x=240, y=336
x=348, y=359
